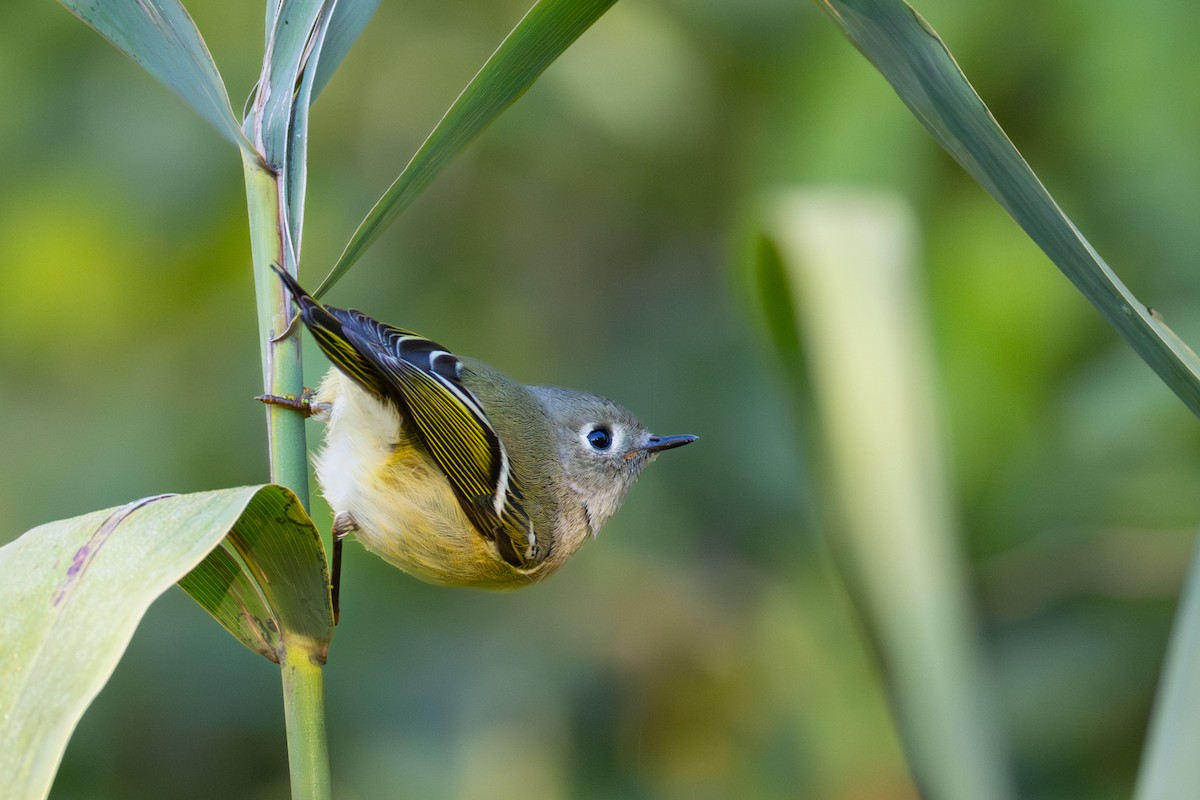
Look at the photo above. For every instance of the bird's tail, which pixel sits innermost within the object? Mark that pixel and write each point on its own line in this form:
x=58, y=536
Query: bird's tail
x=307, y=303
x=327, y=325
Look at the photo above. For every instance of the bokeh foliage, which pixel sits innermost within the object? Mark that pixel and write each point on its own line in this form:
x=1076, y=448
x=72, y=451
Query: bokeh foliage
x=700, y=648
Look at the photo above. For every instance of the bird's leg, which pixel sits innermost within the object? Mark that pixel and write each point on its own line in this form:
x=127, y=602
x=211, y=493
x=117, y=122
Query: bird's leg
x=303, y=403
x=343, y=526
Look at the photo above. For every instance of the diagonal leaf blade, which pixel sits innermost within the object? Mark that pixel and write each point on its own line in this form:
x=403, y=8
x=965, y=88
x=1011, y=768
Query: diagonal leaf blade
x=75, y=590
x=911, y=56
x=548, y=29
x=160, y=35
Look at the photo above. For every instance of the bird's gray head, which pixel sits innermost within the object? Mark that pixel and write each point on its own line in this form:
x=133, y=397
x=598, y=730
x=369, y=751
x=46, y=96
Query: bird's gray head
x=602, y=448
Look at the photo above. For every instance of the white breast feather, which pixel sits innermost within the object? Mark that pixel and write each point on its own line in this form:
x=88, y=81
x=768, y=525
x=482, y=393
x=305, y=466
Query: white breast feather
x=358, y=443
x=404, y=511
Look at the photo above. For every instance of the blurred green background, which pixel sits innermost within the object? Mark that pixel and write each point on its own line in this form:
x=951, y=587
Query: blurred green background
x=594, y=237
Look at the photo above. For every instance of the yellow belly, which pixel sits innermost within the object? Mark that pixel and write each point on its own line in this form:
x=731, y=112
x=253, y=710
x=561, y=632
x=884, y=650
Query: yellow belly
x=401, y=503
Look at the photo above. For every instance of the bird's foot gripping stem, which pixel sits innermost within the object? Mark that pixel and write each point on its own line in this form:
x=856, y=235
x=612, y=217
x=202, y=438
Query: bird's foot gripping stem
x=304, y=403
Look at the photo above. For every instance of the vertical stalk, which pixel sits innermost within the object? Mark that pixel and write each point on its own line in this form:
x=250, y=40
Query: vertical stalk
x=282, y=374
x=304, y=711
x=303, y=695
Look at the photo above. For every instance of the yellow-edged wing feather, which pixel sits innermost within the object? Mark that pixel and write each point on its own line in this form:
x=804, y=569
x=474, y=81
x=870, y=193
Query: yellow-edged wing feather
x=422, y=379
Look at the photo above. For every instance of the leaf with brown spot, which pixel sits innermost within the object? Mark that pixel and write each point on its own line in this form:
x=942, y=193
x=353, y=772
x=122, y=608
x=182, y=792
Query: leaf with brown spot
x=74, y=591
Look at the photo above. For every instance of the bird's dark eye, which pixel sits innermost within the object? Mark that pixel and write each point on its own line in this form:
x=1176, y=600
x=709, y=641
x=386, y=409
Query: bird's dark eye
x=599, y=438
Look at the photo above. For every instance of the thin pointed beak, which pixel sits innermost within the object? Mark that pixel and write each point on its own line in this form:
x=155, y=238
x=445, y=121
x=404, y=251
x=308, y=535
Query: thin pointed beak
x=656, y=444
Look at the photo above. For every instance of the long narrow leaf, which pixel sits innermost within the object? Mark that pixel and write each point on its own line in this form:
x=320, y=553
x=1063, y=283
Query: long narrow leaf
x=159, y=35
x=1170, y=767
x=539, y=38
x=278, y=119
x=74, y=591
x=909, y=54
x=291, y=35
x=296, y=161
x=846, y=261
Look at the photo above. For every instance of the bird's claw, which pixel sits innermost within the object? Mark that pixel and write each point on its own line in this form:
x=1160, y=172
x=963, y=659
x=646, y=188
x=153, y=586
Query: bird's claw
x=303, y=403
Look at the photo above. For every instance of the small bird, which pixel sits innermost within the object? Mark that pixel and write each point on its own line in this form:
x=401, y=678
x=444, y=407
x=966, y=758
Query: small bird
x=453, y=472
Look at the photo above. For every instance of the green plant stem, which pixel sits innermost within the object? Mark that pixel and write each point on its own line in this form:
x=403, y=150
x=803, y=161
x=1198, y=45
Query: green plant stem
x=282, y=373
x=304, y=710
x=304, y=705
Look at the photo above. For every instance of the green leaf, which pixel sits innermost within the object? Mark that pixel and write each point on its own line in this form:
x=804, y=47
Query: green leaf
x=349, y=19
x=848, y=264
x=909, y=54
x=159, y=35
x=270, y=123
x=773, y=300
x=278, y=119
x=1170, y=768
x=541, y=36
x=296, y=171
x=262, y=586
x=74, y=591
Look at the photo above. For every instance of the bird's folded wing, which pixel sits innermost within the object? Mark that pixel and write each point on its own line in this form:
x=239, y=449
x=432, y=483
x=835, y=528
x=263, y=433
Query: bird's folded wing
x=423, y=380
